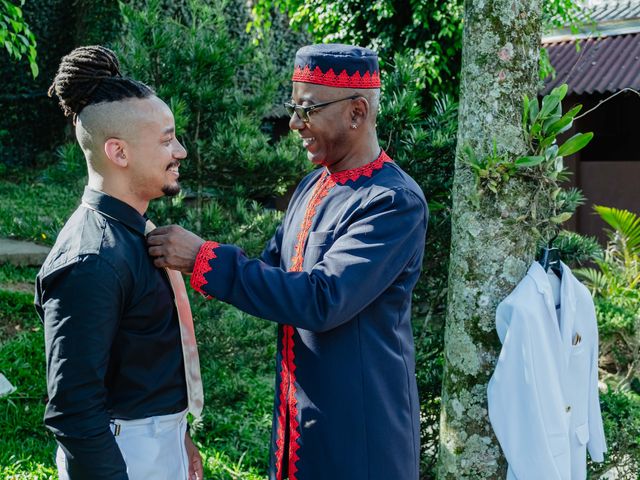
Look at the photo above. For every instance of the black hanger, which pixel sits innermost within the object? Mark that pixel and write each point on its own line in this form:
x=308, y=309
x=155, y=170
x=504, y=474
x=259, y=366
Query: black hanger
x=551, y=258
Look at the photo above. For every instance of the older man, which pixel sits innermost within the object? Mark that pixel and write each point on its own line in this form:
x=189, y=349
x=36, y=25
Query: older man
x=337, y=277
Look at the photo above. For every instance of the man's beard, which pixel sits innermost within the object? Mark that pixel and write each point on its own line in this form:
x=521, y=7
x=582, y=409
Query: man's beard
x=171, y=190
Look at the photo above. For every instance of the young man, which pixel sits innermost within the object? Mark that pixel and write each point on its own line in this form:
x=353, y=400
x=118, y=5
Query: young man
x=117, y=346
x=337, y=276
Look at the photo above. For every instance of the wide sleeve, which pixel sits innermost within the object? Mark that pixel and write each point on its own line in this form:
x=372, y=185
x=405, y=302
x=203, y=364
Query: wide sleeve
x=381, y=240
x=80, y=306
x=515, y=401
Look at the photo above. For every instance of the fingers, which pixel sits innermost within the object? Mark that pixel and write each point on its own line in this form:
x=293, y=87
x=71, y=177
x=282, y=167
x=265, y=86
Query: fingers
x=196, y=471
x=196, y=464
x=157, y=239
x=157, y=251
x=160, y=262
x=163, y=230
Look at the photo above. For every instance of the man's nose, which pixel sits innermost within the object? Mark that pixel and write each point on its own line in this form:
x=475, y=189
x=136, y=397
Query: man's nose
x=181, y=152
x=295, y=123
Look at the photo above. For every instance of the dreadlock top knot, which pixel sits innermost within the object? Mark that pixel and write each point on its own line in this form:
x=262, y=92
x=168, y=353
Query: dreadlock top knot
x=90, y=75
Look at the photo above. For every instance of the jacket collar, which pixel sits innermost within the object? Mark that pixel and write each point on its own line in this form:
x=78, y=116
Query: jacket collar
x=113, y=208
x=567, y=302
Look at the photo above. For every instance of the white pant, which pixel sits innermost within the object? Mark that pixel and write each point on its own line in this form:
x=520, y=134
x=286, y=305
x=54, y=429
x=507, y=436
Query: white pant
x=153, y=448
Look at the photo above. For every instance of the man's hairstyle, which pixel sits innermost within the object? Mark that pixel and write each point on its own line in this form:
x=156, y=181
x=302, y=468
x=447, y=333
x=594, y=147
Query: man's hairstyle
x=90, y=75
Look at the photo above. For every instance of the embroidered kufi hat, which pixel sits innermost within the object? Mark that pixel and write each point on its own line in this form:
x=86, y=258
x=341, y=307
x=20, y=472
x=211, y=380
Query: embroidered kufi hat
x=336, y=65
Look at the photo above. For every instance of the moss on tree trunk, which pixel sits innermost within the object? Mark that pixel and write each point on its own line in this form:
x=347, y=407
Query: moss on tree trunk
x=489, y=254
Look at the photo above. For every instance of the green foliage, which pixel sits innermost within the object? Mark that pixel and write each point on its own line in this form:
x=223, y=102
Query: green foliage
x=621, y=418
x=429, y=32
x=575, y=249
x=542, y=124
x=26, y=447
x=560, y=14
x=619, y=270
x=615, y=284
x=35, y=210
x=239, y=383
x=98, y=22
x=197, y=59
x=542, y=163
x=236, y=350
x=33, y=121
x=492, y=171
x=15, y=34
x=15, y=305
x=69, y=170
x=563, y=14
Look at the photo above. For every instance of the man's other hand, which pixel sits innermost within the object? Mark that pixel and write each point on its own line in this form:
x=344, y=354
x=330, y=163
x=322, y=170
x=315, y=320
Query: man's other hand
x=195, y=460
x=174, y=247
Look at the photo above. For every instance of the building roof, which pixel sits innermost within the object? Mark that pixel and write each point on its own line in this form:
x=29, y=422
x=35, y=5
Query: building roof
x=601, y=18
x=600, y=65
x=612, y=10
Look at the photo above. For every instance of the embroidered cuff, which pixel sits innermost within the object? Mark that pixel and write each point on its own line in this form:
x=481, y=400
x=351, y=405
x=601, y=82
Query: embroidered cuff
x=202, y=266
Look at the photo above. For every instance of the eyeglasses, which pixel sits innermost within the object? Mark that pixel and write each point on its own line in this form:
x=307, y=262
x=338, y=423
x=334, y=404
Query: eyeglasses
x=303, y=112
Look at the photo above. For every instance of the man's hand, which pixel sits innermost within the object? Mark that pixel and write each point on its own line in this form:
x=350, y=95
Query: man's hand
x=195, y=460
x=174, y=247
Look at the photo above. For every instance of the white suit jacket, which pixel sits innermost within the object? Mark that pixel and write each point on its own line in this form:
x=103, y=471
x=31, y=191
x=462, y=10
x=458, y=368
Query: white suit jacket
x=543, y=395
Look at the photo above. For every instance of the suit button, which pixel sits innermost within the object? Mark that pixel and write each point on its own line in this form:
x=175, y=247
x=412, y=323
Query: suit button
x=568, y=408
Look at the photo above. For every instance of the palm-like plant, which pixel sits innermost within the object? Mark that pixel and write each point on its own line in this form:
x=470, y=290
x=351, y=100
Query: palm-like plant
x=619, y=269
x=615, y=284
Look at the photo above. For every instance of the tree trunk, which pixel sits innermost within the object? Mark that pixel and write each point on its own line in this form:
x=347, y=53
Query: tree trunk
x=490, y=254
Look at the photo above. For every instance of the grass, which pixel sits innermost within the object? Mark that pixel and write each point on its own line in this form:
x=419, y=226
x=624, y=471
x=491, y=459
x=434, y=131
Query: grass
x=237, y=359
x=35, y=211
x=236, y=350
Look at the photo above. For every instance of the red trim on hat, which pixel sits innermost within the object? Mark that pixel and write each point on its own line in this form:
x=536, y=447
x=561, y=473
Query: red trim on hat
x=344, y=80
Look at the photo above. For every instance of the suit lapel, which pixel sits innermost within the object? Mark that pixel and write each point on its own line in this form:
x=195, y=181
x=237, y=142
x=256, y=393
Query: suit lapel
x=551, y=318
x=568, y=311
x=564, y=334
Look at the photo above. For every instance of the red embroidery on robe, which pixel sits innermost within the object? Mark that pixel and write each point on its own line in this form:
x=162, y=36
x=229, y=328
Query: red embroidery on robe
x=287, y=394
x=364, y=171
x=203, y=266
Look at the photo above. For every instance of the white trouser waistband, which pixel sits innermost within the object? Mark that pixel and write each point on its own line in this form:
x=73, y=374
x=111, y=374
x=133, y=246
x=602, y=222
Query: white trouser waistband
x=157, y=423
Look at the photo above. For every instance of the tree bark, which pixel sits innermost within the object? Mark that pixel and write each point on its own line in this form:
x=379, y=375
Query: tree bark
x=489, y=253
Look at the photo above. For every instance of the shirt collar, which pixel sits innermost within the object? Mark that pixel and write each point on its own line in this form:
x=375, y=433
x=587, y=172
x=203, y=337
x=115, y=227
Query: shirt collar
x=544, y=287
x=113, y=208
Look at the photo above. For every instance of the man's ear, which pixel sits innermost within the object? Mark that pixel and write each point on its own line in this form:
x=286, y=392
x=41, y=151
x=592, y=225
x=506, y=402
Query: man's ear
x=115, y=149
x=359, y=112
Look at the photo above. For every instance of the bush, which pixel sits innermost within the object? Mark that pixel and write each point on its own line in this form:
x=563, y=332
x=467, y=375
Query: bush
x=621, y=417
x=33, y=121
x=616, y=288
x=220, y=86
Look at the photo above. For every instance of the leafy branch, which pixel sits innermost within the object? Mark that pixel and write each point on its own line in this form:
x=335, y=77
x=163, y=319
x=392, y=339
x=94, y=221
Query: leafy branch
x=542, y=123
x=542, y=164
x=16, y=36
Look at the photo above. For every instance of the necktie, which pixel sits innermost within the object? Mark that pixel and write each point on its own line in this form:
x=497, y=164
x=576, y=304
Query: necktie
x=188, y=337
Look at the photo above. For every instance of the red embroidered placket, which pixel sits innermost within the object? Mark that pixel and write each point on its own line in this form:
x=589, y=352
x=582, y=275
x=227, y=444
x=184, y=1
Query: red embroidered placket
x=288, y=403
